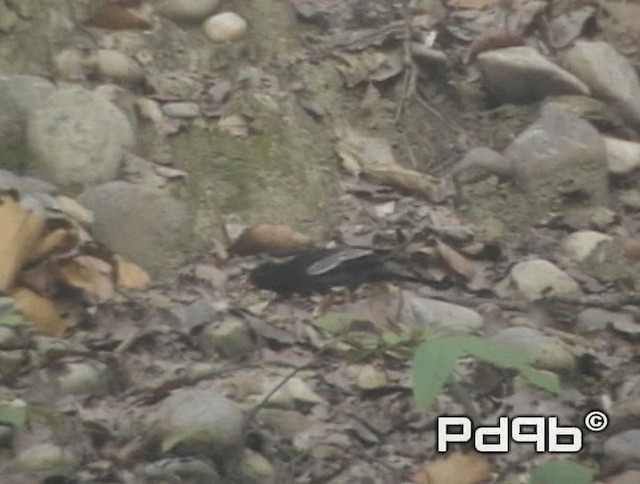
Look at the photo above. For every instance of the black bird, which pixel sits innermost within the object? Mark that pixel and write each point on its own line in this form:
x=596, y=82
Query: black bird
x=318, y=270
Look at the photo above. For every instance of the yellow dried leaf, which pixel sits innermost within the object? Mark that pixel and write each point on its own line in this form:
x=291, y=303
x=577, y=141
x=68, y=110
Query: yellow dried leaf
x=42, y=312
x=89, y=274
x=73, y=209
x=272, y=239
x=21, y=229
x=457, y=468
x=130, y=275
x=57, y=241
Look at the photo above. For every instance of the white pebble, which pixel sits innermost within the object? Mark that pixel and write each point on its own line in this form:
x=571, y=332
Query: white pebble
x=225, y=27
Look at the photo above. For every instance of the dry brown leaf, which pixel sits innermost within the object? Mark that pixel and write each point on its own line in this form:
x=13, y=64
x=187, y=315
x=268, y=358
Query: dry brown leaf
x=275, y=240
x=21, y=230
x=456, y=261
x=363, y=154
x=457, y=468
x=492, y=40
x=89, y=274
x=57, y=241
x=631, y=247
x=130, y=275
x=42, y=312
x=41, y=278
x=114, y=17
x=73, y=209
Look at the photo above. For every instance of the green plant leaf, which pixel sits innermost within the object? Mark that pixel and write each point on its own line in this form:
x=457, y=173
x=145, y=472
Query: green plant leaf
x=434, y=361
x=562, y=471
x=543, y=379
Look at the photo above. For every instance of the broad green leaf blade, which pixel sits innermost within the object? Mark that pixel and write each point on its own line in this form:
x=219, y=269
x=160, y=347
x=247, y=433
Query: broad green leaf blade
x=562, y=471
x=497, y=353
x=543, y=379
x=434, y=361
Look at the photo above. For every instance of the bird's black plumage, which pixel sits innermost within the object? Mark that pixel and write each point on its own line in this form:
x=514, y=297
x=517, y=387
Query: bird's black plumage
x=318, y=270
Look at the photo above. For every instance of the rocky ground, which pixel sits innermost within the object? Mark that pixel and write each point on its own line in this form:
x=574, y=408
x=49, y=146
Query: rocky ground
x=152, y=153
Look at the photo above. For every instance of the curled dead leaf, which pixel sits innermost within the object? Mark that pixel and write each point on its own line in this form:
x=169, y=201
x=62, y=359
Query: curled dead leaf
x=91, y=275
x=73, y=209
x=42, y=312
x=457, y=468
x=631, y=247
x=58, y=241
x=456, y=261
x=21, y=231
x=112, y=16
x=273, y=239
x=492, y=40
x=130, y=275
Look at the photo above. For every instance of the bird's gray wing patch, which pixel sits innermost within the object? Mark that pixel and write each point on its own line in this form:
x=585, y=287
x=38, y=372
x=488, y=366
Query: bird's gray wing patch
x=333, y=260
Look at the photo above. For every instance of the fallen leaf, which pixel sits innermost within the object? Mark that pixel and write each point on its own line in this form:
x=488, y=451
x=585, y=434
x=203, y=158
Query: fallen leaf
x=456, y=261
x=21, y=230
x=130, y=275
x=42, y=312
x=275, y=240
x=631, y=247
x=73, y=209
x=456, y=468
x=91, y=275
x=57, y=241
x=111, y=16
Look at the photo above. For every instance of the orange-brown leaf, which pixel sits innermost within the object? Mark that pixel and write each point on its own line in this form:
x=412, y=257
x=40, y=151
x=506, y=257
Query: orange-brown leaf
x=272, y=239
x=42, y=312
x=21, y=230
x=89, y=274
x=457, y=468
x=130, y=275
x=114, y=17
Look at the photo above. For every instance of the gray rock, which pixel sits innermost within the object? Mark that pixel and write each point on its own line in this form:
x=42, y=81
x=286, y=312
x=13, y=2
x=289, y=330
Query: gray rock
x=622, y=448
x=78, y=137
x=581, y=244
x=84, y=378
x=184, y=470
x=198, y=421
x=231, y=339
x=253, y=468
x=535, y=278
x=430, y=313
x=596, y=319
x=181, y=110
x=522, y=75
x=24, y=184
x=549, y=352
x=609, y=75
x=285, y=423
x=144, y=224
x=46, y=457
x=560, y=156
x=19, y=95
x=189, y=11
x=623, y=157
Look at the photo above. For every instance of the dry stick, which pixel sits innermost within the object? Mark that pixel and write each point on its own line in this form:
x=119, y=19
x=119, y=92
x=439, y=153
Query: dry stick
x=253, y=412
x=410, y=73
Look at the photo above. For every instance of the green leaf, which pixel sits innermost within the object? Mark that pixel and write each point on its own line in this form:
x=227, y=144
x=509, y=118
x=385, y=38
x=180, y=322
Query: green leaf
x=14, y=320
x=543, y=379
x=434, y=361
x=562, y=471
x=12, y=414
x=334, y=323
